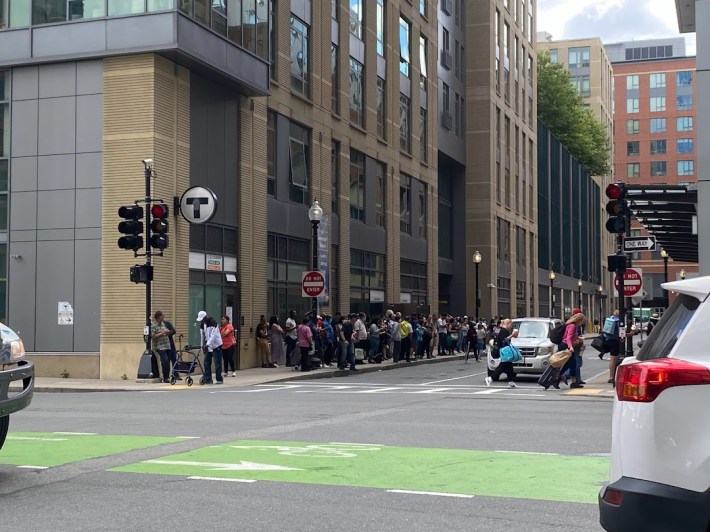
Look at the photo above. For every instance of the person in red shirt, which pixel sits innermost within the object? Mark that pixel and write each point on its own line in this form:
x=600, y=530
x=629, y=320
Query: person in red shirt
x=304, y=338
x=229, y=346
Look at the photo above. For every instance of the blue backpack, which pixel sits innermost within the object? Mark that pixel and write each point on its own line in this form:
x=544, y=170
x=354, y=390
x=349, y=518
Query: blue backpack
x=510, y=353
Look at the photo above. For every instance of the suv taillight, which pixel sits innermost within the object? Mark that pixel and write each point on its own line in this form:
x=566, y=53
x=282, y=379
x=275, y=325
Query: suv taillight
x=643, y=382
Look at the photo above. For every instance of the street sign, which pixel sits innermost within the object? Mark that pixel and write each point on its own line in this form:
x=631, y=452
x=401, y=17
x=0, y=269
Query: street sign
x=639, y=243
x=633, y=282
x=312, y=284
x=198, y=205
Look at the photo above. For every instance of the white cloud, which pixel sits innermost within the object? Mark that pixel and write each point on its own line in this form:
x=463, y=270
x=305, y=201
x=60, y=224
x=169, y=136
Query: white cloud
x=611, y=20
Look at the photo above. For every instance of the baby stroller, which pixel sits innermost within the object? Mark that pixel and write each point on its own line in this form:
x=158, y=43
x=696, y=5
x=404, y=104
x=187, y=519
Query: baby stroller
x=188, y=359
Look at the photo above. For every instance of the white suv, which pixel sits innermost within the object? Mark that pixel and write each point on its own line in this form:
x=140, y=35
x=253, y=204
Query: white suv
x=533, y=343
x=660, y=450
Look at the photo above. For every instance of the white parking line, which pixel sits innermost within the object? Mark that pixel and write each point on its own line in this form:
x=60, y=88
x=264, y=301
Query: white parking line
x=244, y=480
x=434, y=493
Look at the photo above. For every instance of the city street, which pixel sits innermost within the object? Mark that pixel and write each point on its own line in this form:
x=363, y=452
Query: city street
x=418, y=448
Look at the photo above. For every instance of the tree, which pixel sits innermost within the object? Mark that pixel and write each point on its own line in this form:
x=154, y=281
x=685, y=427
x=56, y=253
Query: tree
x=561, y=109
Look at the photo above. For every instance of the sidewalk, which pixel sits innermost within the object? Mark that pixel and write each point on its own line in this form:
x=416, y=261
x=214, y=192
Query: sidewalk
x=245, y=377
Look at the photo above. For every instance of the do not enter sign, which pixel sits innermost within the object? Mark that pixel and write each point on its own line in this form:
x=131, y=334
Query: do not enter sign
x=312, y=284
x=633, y=282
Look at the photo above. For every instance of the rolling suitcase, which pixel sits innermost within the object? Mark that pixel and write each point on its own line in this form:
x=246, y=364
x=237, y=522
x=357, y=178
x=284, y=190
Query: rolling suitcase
x=549, y=377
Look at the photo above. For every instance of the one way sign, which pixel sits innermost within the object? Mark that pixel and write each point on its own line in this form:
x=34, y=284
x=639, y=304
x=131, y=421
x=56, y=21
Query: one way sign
x=639, y=243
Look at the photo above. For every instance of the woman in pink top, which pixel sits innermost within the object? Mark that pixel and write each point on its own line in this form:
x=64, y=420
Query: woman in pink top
x=572, y=341
x=304, y=338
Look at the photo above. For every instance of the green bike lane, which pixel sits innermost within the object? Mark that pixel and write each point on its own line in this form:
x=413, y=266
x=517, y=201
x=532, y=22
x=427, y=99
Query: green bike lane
x=434, y=471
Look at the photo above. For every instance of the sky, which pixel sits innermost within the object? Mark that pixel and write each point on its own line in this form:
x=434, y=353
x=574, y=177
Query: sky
x=611, y=20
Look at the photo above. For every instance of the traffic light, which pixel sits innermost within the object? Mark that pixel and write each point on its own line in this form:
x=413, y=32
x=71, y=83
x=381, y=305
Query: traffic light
x=131, y=227
x=617, y=207
x=141, y=273
x=159, y=226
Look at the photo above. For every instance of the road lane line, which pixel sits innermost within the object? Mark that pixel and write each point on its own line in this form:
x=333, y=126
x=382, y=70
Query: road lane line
x=378, y=390
x=433, y=390
x=77, y=433
x=32, y=467
x=527, y=452
x=35, y=438
x=434, y=493
x=488, y=392
x=245, y=480
x=452, y=379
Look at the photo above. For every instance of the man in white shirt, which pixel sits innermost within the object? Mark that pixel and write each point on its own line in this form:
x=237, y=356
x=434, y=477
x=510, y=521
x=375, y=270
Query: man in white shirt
x=441, y=327
x=290, y=331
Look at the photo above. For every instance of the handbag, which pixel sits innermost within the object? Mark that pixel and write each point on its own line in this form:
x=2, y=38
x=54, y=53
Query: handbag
x=510, y=353
x=560, y=358
x=599, y=344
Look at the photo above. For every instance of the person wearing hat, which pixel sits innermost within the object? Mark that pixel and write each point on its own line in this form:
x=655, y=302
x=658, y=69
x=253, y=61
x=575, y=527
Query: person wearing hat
x=211, y=342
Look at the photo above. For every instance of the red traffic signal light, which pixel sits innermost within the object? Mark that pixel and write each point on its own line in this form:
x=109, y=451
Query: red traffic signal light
x=616, y=191
x=617, y=207
x=159, y=210
x=159, y=226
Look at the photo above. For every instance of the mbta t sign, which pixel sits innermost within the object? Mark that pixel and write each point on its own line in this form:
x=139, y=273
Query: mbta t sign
x=312, y=284
x=633, y=282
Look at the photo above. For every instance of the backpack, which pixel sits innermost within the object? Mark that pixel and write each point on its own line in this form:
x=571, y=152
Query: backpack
x=557, y=333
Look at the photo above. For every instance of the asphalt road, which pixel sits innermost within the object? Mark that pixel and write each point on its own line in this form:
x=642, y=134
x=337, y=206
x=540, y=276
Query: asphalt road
x=421, y=448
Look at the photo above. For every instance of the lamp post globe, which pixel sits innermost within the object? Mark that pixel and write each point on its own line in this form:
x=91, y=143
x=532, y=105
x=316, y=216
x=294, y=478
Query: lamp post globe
x=551, y=276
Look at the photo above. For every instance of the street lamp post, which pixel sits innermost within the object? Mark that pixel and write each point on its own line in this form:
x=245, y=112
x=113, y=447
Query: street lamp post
x=579, y=294
x=551, y=276
x=664, y=256
x=599, y=292
x=477, y=262
x=315, y=214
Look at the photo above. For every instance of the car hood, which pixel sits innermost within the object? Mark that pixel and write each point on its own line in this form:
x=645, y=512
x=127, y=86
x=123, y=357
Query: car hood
x=531, y=342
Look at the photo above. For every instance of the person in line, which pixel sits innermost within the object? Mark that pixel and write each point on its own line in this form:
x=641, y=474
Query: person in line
x=396, y=335
x=276, y=337
x=342, y=345
x=374, y=336
x=161, y=343
x=501, y=340
x=262, y=343
x=172, y=354
x=212, y=348
x=573, y=341
x=229, y=346
x=304, y=340
x=480, y=341
x=290, y=331
x=405, y=330
x=328, y=339
x=462, y=343
x=612, y=340
x=441, y=328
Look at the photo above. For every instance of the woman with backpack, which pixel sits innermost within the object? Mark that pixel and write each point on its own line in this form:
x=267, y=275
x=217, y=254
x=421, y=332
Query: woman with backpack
x=572, y=341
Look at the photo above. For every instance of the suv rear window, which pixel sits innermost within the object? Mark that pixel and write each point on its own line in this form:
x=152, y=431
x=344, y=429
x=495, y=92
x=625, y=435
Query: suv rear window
x=666, y=333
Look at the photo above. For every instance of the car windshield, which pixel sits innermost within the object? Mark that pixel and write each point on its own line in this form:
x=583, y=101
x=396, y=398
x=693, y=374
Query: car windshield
x=660, y=342
x=531, y=329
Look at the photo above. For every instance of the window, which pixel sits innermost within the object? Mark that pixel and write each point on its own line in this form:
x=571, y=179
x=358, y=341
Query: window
x=657, y=103
x=658, y=147
x=684, y=79
x=287, y=259
x=579, y=57
x=405, y=204
x=273, y=70
x=633, y=170
x=422, y=210
x=445, y=99
x=356, y=16
x=686, y=167
x=299, y=148
x=357, y=98
x=581, y=83
x=657, y=125
x=357, y=185
x=632, y=82
x=405, y=119
x=684, y=123
x=300, y=77
x=657, y=80
x=553, y=55
x=685, y=146
x=632, y=148
x=333, y=9
x=335, y=79
x=422, y=8
x=413, y=280
x=683, y=103
x=632, y=105
x=271, y=153
x=335, y=175
x=381, y=28
x=404, y=44
x=422, y=63
x=423, y=136
x=632, y=127
x=658, y=168
x=381, y=125
x=367, y=271
x=380, y=171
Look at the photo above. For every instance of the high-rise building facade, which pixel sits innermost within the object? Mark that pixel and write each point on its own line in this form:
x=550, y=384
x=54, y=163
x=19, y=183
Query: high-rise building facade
x=501, y=156
x=591, y=74
x=655, y=136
